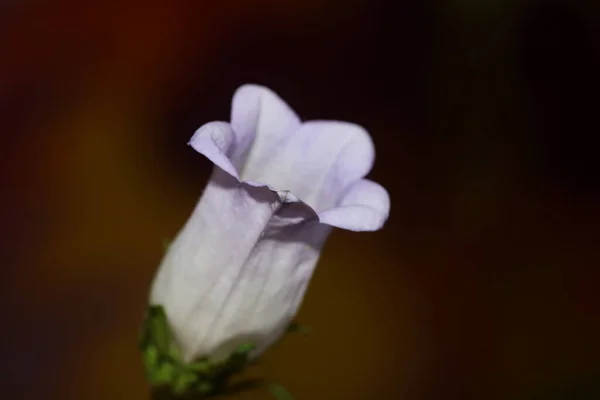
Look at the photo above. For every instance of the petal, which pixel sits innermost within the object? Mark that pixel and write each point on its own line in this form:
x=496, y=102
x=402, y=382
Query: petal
x=207, y=253
x=237, y=270
x=271, y=286
x=216, y=141
x=318, y=162
x=261, y=121
x=365, y=207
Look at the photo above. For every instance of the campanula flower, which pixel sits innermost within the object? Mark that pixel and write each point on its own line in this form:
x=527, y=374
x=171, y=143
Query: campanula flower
x=239, y=268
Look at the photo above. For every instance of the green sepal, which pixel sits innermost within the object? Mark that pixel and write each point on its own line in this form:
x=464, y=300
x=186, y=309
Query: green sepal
x=183, y=383
x=170, y=375
x=279, y=392
x=204, y=388
x=164, y=374
x=295, y=327
x=158, y=329
x=201, y=367
x=151, y=358
x=244, y=349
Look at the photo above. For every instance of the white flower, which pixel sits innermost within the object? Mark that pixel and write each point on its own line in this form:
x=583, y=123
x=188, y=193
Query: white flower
x=237, y=271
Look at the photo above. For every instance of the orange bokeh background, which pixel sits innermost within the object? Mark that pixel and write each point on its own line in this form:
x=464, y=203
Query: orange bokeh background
x=483, y=284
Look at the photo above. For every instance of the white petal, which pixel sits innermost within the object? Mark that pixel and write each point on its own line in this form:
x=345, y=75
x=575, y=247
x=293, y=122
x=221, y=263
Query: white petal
x=318, y=162
x=365, y=207
x=261, y=121
x=238, y=268
x=216, y=141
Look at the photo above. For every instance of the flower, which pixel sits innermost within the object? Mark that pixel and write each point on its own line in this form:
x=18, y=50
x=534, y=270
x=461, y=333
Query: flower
x=237, y=271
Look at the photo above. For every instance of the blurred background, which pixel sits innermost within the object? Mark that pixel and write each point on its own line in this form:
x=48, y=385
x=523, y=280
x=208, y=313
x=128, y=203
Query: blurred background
x=483, y=284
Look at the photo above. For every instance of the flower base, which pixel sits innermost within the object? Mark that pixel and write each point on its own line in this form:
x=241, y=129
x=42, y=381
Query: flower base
x=171, y=377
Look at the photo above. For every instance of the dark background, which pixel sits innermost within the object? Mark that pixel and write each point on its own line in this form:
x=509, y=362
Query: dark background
x=484, y=282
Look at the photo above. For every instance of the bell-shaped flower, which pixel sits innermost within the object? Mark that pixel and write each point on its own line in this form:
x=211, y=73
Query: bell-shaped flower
x=238, y=270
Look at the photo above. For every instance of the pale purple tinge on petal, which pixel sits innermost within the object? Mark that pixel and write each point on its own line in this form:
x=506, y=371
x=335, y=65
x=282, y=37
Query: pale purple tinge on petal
x=242, y=251
x=316, y=161
x=262, y=122
x=238, y=270
x=365, y=207
x=319, y=161
x=215, y=140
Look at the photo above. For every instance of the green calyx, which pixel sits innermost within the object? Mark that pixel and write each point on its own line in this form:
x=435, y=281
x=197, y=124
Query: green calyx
x=169, y=374
x=171, y=377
